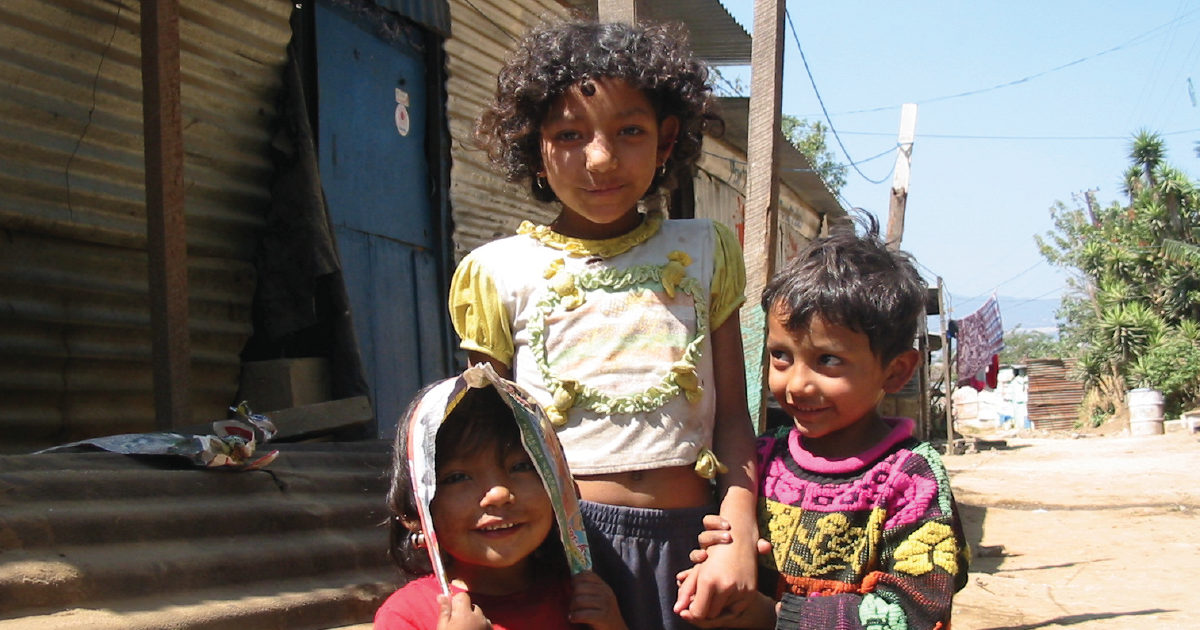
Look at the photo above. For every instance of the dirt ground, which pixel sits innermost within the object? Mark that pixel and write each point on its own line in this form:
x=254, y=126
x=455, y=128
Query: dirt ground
x=1091, y=533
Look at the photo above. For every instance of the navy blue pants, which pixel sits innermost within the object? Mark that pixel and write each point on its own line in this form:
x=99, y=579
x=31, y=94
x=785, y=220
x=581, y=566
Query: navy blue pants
x=638, y=552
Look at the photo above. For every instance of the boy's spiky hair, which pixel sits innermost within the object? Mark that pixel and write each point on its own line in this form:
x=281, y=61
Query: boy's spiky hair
x=853, y=281
x=653, y=58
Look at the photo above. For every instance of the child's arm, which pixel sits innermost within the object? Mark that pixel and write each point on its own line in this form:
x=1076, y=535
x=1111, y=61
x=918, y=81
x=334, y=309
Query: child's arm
x=479, y=316
x=726, y=581
x=716, y=532
x=502, y=370
x=593, y=603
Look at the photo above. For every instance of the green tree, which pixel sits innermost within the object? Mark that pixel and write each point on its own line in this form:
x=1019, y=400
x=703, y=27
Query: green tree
x=1132, y=318
x=1023, y=345
x=809, y=139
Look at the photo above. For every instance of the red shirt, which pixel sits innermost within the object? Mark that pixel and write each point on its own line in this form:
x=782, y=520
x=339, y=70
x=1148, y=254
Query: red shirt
x=414, y=607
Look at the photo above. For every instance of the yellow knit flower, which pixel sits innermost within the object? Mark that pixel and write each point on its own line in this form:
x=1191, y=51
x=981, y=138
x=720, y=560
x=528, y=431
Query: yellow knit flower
x=564, y=400
x=673, y=272
x=707, y=464
x=687, y=379
x=554, y=268
x=931, y=545
x=563, y=283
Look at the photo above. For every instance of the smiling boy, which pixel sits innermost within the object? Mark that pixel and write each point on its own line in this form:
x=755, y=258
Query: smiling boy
x=864, y=529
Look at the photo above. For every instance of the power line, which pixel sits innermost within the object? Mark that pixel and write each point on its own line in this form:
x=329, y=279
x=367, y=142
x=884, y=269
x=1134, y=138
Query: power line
x=1131, y=42
x=977, y=137
x=1051, y=291
x=734, y=90
x=1160, y=61
x=931, y=272
x=993, y=289
x=796, y=37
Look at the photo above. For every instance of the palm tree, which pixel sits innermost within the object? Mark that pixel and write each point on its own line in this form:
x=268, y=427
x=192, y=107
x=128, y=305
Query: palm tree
x=1131, y=182
x=1174, y=187
x=1147, y=151
x=1181, y=252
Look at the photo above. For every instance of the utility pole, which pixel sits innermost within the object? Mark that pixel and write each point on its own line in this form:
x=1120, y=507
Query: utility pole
x=762, y=186
x=627, y=11
x=899, y=198
x=1089, y=198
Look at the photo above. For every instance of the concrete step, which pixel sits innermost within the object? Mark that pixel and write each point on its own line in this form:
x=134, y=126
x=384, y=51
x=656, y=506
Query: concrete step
x=116, y=521
x=63, y=477
x=105, y=541
x=310, y=603
x=70, y=577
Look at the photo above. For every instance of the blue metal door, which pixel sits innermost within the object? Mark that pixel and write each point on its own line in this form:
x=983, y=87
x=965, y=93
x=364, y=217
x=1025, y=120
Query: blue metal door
x=372, y=109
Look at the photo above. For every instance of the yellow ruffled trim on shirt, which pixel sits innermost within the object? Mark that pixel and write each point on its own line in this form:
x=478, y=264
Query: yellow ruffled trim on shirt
x=707, y=464
x=566, y=292
x=604, y=248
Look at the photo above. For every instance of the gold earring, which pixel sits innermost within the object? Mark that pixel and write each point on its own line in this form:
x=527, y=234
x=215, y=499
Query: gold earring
x=540, y=182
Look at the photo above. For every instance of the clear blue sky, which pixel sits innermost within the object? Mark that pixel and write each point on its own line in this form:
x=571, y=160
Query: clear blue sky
x=987, y=166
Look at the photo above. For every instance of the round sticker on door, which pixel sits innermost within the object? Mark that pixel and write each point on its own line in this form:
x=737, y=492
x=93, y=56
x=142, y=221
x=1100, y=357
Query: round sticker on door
x=403, y=120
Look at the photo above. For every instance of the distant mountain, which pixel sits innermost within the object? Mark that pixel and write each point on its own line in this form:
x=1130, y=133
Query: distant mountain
x=1014, y=311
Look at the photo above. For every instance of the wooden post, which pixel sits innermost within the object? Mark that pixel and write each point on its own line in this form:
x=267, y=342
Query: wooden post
x=947, y=377
x=762, y=184
x=924, y=421
x=899, y=198
x=166, y=246
x=627, y=11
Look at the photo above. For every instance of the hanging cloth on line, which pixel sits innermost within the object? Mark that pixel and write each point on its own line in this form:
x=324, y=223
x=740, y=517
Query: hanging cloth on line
x=980, y=336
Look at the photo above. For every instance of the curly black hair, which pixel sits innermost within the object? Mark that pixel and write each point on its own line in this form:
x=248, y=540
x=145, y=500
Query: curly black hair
x=653, y=58
x=854, y=281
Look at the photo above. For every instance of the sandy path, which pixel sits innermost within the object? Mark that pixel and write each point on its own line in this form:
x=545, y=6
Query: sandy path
x=1089, y=534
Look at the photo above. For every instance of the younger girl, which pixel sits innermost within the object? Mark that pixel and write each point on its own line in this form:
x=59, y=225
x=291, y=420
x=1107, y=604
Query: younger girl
x=622, y=325
x=493, y=539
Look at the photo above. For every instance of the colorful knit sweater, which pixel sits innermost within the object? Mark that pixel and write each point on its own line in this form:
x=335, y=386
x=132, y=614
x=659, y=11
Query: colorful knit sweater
x=872, y=541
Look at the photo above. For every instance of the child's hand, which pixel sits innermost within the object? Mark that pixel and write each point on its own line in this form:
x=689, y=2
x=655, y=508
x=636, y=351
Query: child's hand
x=762, y=612
x=593, y=603
x=724, y=582
x=728, y=594
x=716, y=532
x=457, y=613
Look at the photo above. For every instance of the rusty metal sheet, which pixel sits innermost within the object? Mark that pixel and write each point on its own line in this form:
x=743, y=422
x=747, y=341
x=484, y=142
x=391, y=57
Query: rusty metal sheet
x=75, y=334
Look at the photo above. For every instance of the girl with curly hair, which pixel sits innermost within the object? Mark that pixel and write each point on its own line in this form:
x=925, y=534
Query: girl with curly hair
x=623, y=325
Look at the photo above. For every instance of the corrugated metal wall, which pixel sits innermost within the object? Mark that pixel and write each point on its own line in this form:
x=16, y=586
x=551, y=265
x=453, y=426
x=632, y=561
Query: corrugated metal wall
x=485, y=207
x=1054, y=398
x=97, y=541
x=719, y=192
x=720, y=186
x=74, y=314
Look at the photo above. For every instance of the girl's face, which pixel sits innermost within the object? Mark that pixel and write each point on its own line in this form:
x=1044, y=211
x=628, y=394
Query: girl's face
x=490, y=512
x=599, y=154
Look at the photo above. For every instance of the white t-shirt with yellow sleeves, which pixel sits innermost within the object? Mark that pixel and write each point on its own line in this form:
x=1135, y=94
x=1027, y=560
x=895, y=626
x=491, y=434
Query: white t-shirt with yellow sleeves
x=612, y=337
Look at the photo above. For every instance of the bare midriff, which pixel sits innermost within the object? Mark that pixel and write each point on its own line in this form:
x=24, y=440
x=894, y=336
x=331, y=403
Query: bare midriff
x=658, y=488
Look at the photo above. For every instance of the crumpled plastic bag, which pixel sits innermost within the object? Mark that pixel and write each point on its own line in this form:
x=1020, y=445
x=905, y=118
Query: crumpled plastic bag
x=231, y=446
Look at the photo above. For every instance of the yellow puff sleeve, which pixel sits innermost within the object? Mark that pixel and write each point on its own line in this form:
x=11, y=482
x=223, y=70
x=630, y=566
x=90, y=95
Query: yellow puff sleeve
x=729, y=276
x=478, y=314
